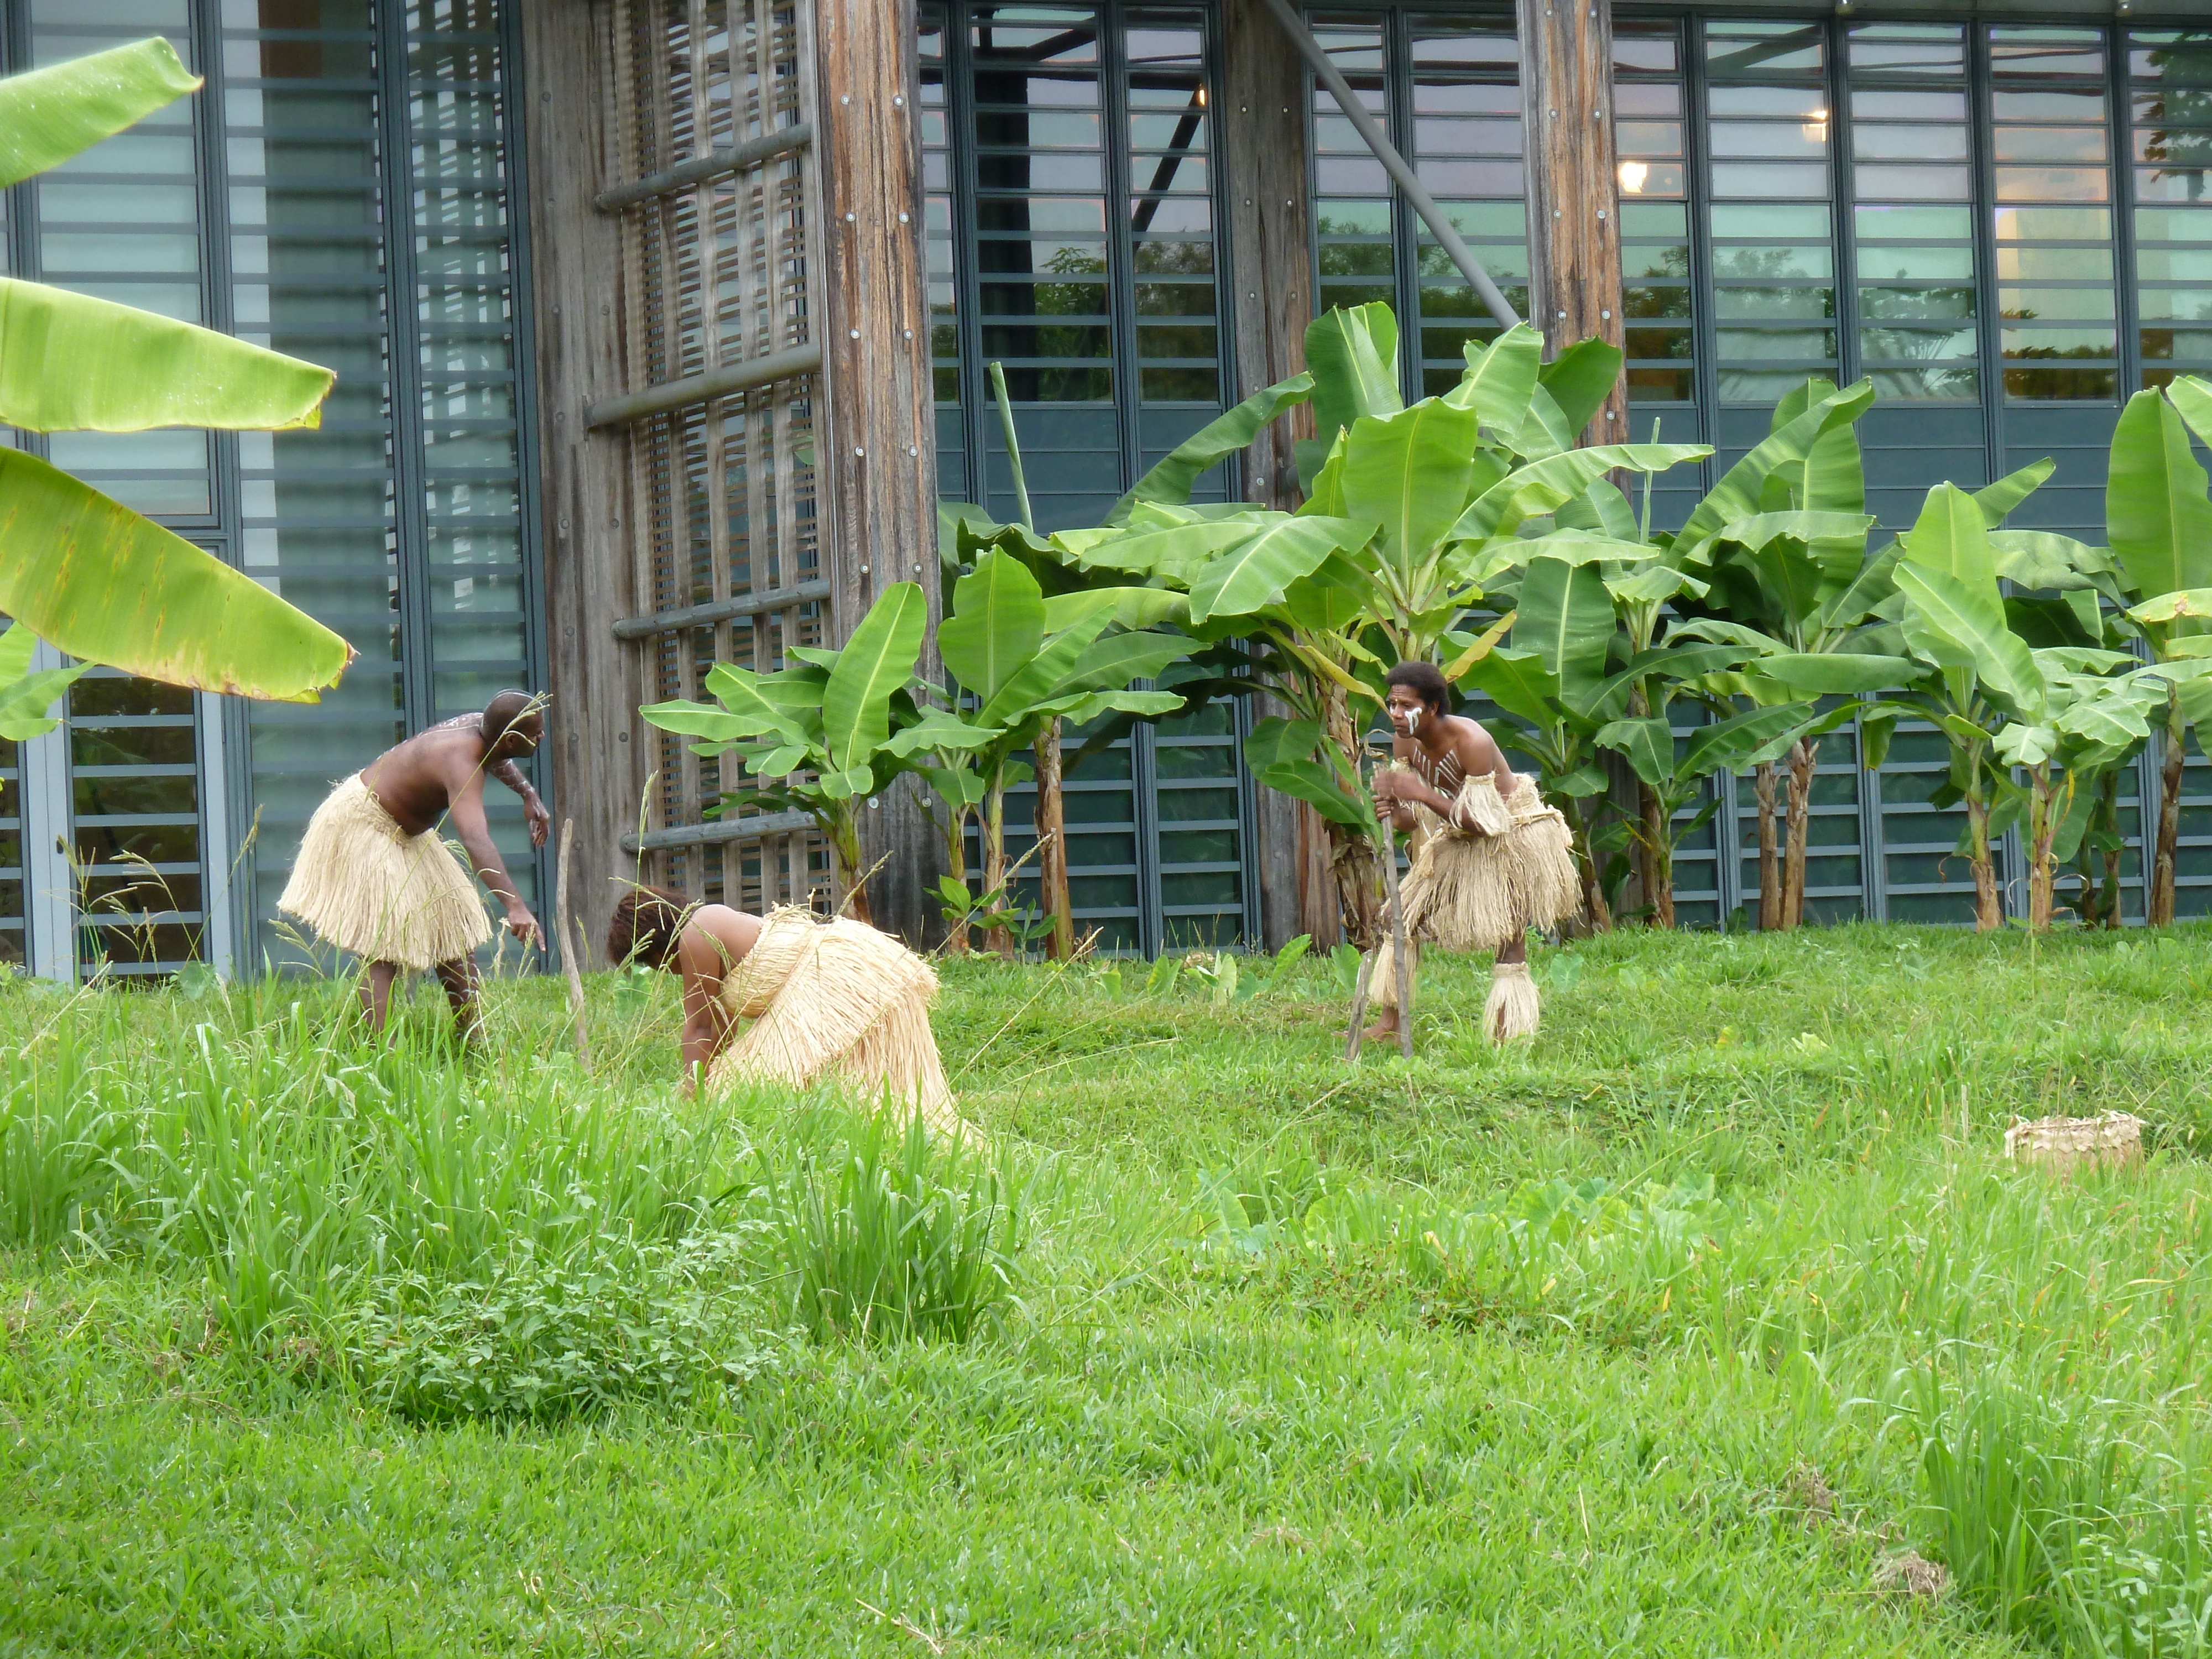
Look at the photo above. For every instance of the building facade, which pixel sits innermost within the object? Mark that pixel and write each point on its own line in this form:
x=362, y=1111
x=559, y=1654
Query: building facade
x=660, y=322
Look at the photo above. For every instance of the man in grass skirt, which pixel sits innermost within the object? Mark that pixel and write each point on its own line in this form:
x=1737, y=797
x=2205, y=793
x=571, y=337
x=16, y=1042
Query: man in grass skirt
x=374, y=878
x=1491, y=860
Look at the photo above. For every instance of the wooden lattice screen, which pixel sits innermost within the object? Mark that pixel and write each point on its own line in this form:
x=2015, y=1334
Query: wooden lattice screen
x=716, y=104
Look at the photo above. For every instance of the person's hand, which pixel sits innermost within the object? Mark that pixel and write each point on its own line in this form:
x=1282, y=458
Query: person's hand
x=535, y=815
x=524, y=926
x=1386, y=788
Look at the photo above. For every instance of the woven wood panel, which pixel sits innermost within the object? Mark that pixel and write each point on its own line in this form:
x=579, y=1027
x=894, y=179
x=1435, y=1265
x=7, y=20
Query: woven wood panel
x=723, y=273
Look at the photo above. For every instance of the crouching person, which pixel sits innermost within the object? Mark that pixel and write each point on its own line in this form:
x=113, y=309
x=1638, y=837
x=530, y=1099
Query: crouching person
x=825, y=998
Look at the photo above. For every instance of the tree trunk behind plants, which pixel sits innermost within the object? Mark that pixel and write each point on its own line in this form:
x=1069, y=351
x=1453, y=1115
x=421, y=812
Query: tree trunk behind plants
x=2169, y=815
x=2108, y=812
x=1596, y=910
x=1989, y=907
x=1052, y=845
x=955, y=865
x=844, y=839
x=1770, y=857
x=1351, y=856
x=1803, y=758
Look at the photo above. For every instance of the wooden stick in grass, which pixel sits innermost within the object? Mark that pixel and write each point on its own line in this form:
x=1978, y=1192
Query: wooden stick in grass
x=1367, y=959
x=570, y=938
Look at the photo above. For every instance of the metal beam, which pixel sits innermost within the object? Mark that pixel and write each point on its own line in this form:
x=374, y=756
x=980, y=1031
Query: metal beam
x=713, y=165
x=785, y=365
x=1393, y=163
x=714, y=835
x=702, y=616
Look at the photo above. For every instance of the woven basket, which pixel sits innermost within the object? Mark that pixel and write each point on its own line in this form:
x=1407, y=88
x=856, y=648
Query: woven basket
x=2069, y=1143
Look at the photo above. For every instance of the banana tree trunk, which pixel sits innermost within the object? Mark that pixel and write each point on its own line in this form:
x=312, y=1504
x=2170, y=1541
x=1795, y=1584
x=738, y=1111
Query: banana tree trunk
x=1989, y=908
x=996, y=939
x=1351, y=855
x=2041, y=825
x=1656, y=843
x=2108, y=819
x=1052, y=845
x=956, y=866
x=2169, y=815
x=1595, y=909
x=843, y=834
x=1770, y=856
x=1804, y=757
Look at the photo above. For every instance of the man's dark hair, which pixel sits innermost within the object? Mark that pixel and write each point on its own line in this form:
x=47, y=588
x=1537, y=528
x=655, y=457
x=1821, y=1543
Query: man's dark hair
x=1427, y=681
x=646, y=924
x=503, y=710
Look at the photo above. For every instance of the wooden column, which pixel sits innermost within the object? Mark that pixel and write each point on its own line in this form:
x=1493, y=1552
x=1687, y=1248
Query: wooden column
x=1573, y=195
x=877, y=469
x=597, y=743
x=1262, y=148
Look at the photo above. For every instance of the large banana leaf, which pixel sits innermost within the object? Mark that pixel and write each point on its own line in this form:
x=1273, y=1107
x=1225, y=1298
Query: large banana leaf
x=997, y=624
x=1033, y=681
x=1950, y=537
x=1172, y=476
x=1351, y=352
x=941, y=732
x=1499, y=378
x=1537, y=488
x=1408, y=473
x=26, y=697
x=72, y=364
x=1283, y=755
x=1832, y=476
x=746, y=712
x=1648, y=742
x=2155, y=508
x=1740, y=491
x=1579, y=378
x=1130, y=607
x=49, y=115
x=876, y=661
x=1520, y=683
x=110, y=586
x=1841, y=673
x=1567, y=617
x=1108, y=664
x=2042, y=559
x=1998, y=499
x=1254, y=574
x=1745, y=740
x=1953, y=625
x=2192, y=396
x=1172, y=552
x=2171, y=607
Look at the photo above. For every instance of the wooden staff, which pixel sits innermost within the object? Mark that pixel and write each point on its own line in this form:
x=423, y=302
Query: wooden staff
x=570, y=938
x=1359, y=1003
x=1397, y=936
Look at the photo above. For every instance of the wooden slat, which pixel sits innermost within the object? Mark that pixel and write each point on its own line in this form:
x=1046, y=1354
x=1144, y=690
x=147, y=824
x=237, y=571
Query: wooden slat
x=717, y=833
x=713, y=165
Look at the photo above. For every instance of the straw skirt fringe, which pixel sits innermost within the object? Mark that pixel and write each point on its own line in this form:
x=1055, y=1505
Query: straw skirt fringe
x=835, y=998
x=366, y=885
x=1469, y=891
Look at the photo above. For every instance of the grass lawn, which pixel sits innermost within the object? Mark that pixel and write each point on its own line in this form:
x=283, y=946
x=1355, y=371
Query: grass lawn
x=1659, y=1336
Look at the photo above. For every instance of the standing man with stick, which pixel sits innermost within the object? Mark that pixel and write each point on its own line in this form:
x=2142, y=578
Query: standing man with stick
x=1491, y=860
x=374, y=878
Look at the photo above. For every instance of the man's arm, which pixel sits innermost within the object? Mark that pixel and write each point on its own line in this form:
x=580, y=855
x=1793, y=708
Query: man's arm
x=533, y=810
x=466, y=811
x=704, y=1024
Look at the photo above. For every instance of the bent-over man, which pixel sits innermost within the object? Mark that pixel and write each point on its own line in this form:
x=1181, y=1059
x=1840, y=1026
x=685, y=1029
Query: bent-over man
x=373, y=877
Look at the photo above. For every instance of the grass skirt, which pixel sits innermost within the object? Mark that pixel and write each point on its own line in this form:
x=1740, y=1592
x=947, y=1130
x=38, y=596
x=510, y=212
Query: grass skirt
x=366, y=885
x=1482, y=892
x=835, y=998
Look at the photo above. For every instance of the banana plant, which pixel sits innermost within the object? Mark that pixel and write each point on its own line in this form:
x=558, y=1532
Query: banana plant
x=2158, y=519
x=823, y=735
x=101, y=582
x=1018, y=659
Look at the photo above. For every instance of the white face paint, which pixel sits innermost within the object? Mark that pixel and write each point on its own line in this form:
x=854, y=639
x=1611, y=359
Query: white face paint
x=1413, y=721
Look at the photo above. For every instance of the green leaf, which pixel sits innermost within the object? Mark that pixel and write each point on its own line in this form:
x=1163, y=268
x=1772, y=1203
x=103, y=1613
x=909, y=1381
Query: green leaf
x=72, y=363
x=1111, y=663
x=1580, y=379
x=1537, y=488
x=997, y=624
x=1831, y=478
x=26, y=697
x=1353, y=354
x=2021, y=743
x=2040, y=559
x=1171, y=552
x=1083, y=708
x=1997, y=499
x=1744, y=741
x=1499, y=378
x=1408, y=473
x=877, y=660
x=1841, y=673
x=1519, y=682
x=1254, y=574
x=2155, y=508
x=1649, y=743
x=107, y=585
x=1311, y=781
x=939, y=732
x=1738, y=495
x=2171, y=607
x=1172, y=477
x=48, y=115
x=1877, y=727
x=1953, y=626
x=748, y=710
x=1543, y=432
x=1950, y=538
x=778, y=763
x=1035, y=679
x=1566, y=616
x=2192, y=396
x=1277, y=741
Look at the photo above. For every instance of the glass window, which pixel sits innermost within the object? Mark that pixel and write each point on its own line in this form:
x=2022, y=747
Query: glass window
x=2170, y=79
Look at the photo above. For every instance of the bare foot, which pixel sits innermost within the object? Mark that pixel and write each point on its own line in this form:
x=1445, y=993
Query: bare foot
x=1381, y=1030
